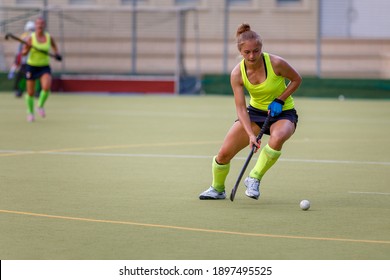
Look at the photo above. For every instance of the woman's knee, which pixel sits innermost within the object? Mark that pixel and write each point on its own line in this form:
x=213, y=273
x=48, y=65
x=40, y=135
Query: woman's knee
x=46, y=82
x=224, y=156
x=279, y=136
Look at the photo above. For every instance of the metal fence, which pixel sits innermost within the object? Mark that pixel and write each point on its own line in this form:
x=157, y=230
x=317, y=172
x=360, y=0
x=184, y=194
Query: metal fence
x=325, y=37
x=123, y=40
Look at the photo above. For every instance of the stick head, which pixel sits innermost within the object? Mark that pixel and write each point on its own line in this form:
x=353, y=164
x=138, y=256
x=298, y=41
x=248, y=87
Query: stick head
x=233, y=194
x=7, y=36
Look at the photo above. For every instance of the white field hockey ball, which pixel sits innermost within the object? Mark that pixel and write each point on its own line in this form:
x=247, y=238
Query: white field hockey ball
x=305, y=204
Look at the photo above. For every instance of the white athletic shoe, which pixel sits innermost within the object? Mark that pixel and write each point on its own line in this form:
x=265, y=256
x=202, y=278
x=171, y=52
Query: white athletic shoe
x=212, y=193
x=252, y=187
x=41, y=111
x=30, y=118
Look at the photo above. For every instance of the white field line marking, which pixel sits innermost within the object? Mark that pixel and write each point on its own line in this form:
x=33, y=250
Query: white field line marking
x=344, y=140
x=338, y=161
x=5, y=153
x=376, y=193
x=188, y=157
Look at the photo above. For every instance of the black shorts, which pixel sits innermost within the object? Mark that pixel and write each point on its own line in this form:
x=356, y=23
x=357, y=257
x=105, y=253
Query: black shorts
x=258, y=116
x=36, y=72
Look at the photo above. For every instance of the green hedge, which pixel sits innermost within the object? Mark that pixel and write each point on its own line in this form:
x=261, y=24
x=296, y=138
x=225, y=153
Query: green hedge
x=311, y=87
x=314, y=87
x=5, y=84
x=349, y=88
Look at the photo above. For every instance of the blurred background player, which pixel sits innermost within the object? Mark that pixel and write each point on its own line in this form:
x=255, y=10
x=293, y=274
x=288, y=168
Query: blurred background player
x=38, y=67
x=18, y=68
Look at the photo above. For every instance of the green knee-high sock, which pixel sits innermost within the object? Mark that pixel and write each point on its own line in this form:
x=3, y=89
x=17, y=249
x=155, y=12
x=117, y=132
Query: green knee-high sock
x=266, y=160
x=43, y=97
x=30, y=104
x=220, y=173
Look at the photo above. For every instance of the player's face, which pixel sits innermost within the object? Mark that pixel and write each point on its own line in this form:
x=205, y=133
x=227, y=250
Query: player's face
x=251, y=51
x=39, y=25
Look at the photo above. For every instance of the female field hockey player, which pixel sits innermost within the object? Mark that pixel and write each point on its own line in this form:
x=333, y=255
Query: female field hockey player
x=38, y=67
x=18, y=69
x=263, y=75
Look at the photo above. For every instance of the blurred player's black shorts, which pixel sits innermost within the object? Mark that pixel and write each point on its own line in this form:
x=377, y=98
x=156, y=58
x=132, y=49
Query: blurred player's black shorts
x=35, y=72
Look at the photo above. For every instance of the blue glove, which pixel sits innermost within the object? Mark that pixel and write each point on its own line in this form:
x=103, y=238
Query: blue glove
x=276, y=107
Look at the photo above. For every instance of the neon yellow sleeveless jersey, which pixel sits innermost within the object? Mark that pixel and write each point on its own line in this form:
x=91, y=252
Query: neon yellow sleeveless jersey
x=35, y=57
x=261, y=95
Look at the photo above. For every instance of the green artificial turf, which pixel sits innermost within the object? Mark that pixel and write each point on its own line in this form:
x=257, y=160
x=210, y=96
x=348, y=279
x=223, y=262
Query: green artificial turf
x=118, y=177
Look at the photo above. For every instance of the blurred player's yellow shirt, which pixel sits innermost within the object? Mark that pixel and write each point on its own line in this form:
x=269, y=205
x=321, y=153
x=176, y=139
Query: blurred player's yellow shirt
x=264, y=93
x=37, y=58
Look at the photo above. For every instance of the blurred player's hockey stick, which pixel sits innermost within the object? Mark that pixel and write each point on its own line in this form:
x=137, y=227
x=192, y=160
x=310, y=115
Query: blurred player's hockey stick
x=12, y=36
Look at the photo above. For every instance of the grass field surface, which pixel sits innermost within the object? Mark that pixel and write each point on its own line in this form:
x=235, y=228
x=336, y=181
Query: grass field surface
x=118, y=177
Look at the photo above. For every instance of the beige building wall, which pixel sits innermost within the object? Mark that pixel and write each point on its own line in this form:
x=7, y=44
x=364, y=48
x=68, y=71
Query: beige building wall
x=103, y=43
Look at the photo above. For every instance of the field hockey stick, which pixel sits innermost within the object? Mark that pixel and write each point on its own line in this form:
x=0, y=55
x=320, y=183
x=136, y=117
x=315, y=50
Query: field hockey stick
x=10, y=35
x=234, y=190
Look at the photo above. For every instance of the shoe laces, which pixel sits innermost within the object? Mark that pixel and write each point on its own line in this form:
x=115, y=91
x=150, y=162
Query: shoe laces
x=253, y=183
